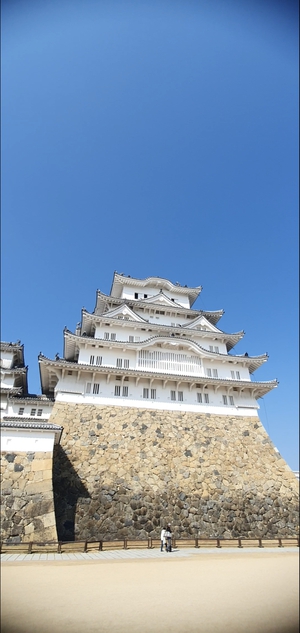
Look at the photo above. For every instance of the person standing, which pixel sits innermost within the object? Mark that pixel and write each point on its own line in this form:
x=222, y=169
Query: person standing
x=162, y=539
x=168, y=537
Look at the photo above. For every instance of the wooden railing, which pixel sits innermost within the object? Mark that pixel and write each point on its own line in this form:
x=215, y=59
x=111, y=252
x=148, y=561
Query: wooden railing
x=150, y=543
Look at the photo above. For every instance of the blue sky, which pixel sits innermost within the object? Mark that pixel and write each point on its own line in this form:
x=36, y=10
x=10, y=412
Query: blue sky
x=154, y=138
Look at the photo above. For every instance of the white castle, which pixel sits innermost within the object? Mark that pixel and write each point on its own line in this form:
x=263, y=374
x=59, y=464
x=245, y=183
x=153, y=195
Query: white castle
x=145, y=346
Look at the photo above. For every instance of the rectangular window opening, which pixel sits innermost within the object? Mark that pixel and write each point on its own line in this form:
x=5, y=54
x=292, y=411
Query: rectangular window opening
x=33, y=412
x=39, y=412
x=145, y=393
x=96, y=388
x=117, y=390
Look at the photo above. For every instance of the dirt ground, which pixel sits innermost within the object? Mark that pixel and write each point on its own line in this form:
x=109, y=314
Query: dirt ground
x=201, y=594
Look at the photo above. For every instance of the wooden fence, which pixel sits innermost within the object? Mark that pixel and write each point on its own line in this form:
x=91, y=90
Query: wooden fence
x=150, y=543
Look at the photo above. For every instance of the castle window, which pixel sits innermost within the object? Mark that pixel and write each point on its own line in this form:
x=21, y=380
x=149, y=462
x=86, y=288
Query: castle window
x=98, y=360
x=126, y=363
x=216, y=349
x=39, y=412
x=215, y=373
x=119, y=362
x=145, y=393
x=21, y=411
x=88, y=387
x=173, y=395
x=106, y=336
x=96, y=388
x=137, y=339
x=206, y=398
x=180, y=396
x=238, y=375
x=92, y=358
x=70, y=372
x=131, y=339
x=232, y=375
x=145, y=296
x=117, y=390
x=153, y=394
x=125, y=392
x=208, y=372
x=33, y=412
x=224, y=399
x=136, y=295
x=231, y=400
x=211, y=349
x=113, y=336
x=199, y=398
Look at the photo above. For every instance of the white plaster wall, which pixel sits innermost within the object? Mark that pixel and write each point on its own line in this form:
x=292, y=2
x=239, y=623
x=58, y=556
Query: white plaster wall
x=14, y=407
x=22, y=440
x=78, y=389
x=7, y=380
x=159, y=405
x=6, y=360
x=128, y=293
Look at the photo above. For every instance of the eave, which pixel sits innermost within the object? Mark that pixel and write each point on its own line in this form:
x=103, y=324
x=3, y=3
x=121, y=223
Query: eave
x=213, y=316
x=258, y=389
x=88, y=319
x=119, y=281
x=73, y=343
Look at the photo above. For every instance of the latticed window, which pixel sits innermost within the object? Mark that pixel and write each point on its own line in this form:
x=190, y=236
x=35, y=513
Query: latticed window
x=199, y=398
x=145, y=393
x=169, y=362
x=180, y=396
x=96, y=388
x=125, y=391
x=117, y=390
x=206, y=398
x=153, y=394
x=92, y=358
x=98, y=360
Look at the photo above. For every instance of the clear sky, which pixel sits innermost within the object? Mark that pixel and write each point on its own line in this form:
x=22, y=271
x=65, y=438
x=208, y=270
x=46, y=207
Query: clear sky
x=154, y=138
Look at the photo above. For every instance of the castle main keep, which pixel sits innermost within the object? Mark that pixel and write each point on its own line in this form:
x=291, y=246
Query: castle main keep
x=151, y=418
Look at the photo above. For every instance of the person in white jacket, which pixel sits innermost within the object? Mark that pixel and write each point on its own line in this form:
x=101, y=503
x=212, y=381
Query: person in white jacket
x=163, y=542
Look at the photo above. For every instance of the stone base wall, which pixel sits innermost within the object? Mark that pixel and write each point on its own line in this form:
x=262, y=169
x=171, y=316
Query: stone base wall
x=123, y=472
x=27, y=508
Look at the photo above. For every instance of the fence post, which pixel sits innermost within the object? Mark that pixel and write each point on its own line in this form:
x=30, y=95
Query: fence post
x=125, y=543
x=100, y=546
x=280, y=542
x=260, y=543
x=149, y=542
x=240, y=542
x=59, y=547
x=218, y=542
x=85, y=546
x=196, y=542
x=29, y=548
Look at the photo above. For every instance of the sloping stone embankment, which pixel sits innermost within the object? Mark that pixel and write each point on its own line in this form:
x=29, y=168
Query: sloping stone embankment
x=123, y=472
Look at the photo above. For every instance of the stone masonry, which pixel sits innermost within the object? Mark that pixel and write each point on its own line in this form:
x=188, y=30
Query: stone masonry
x=124, y=472
x=27, y=508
